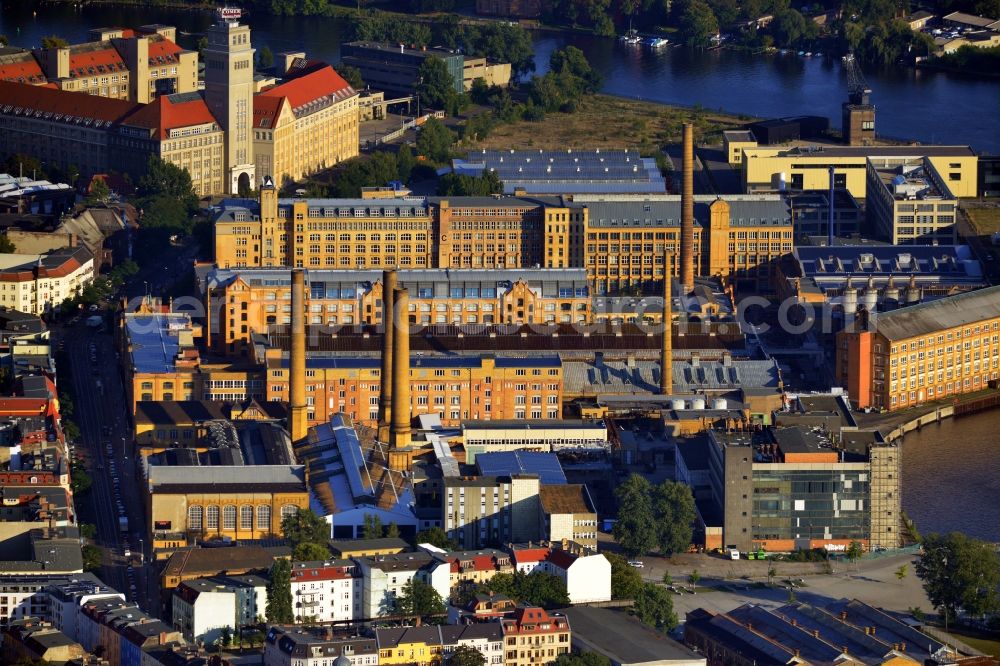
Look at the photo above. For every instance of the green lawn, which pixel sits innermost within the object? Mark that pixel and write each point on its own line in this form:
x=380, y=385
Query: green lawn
x=983, y=642
x=986, y=220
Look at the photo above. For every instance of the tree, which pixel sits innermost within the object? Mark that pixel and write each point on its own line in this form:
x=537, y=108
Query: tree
x=854, y=551
x=392, y=532
x=466, y=655
x=693, y=578
x=582, y=659
x=91, y=557
x=654, y=606
x=304, y=526
x=626, y=582
x=80, y=481
x=265, y=58
x=279, y=593
x=434, y=141
x=538, y=588
x=350, y=74
x=635, y=529
x=54, y=42
x=697, y=24
x=902, y=572
x=372, y=528
x=163, y=179
x=405, y=161
x=453, y=184
x=99, y=192
x=570, y=61
x=310, y=551
x=771, y=573
x=436, y=537
x=6, y=245
x=226, y=633
x=88, y=530
x=959, y=572
x=673, y=506
x=419, y=599
x=437, y=87
x=4, y=41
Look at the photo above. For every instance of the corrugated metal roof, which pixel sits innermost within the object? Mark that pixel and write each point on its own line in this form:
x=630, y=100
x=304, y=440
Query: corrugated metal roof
x=933, y=316
x=507, y=463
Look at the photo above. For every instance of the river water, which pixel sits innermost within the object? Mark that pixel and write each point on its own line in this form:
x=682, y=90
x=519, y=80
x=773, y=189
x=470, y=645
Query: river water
x=915, y=104
x=951, y=471
x=951, y=476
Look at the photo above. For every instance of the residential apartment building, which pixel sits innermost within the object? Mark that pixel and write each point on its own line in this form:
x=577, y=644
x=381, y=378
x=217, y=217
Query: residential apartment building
x=204, y=609
x=535, y=636
x=327, y=591
x=922, y=352
x=568, y=514
x=585, y=572
x=38, y=283
x=240, y=502
x=119, y=63
x=475, y=567
x=248, y=301
x=305, y=646
x=455, y=388
x=482, y=510
x=306, y=123
x=785, y=489
x=910, y=204
x=767, y=169
x=384, y=578
x=486, y=637
x=417, y=646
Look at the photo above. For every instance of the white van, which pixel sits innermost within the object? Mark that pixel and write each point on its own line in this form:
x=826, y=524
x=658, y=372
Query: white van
x=734, y=554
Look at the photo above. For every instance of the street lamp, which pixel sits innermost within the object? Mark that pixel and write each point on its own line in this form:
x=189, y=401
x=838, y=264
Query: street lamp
x=142, y=552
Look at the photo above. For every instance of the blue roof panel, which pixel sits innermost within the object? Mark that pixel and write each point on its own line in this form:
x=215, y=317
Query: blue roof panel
x=506, y=463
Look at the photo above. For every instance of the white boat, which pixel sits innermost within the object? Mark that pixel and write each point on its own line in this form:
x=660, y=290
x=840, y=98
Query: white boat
x=630, y=37
x=655, y=42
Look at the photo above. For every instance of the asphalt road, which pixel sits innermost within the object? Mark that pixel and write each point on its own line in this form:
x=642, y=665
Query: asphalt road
x=99, y=400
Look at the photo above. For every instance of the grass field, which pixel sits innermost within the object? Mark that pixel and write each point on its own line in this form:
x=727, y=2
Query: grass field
x=986, y=220
x=982, y=642
x=602, y=121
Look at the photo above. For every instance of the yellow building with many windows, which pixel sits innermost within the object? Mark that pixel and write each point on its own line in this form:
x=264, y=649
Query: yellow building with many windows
x=933, y=350
x=306, y=123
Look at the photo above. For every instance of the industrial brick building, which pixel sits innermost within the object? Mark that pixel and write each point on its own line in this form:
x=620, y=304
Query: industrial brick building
x=923, y=352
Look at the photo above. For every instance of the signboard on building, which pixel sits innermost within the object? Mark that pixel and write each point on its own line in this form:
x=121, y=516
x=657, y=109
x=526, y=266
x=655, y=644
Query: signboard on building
x=230, y=13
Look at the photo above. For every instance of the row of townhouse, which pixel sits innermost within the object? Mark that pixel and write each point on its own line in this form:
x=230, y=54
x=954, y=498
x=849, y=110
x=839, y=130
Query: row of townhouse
x=530, y=635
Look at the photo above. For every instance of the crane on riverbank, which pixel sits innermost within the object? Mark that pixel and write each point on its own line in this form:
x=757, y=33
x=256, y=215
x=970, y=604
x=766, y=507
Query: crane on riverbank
x=858, y=117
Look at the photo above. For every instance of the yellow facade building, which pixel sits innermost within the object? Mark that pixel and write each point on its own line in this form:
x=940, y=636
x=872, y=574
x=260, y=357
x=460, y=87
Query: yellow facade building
x=242, y=302
x=412, y=646
x=933, y=350
x=306, y=123
x=767, y=169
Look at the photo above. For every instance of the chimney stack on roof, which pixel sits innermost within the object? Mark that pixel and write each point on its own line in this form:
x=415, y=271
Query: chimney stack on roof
x=687, y=210
x=386, y=375
x=297, y=359
x=666, y=347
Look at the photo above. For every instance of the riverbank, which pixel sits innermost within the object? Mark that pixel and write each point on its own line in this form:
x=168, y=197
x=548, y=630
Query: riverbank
x=894, y=425
x=607, y=121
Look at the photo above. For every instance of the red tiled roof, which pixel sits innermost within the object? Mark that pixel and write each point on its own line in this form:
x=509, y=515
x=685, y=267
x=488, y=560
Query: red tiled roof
x=310, y=87
x=160, y=46
x=169, y=112
x=266, y=109
x=21, y=68
x=65, y=102
x=561, y=558
x=23, y=406
x=92, y=56
x=524, y=555
x=319, y=573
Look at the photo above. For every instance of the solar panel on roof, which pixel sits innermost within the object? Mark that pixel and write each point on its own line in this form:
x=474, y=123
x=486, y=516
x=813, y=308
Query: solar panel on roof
x=505, y=463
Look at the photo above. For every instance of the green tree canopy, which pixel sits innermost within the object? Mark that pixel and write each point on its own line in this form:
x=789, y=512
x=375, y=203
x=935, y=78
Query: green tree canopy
x=570, y=61
x=959, y=572
x=54, y=42
x=265, y=58
x=99, y=192
x=350, y=74
x=435, y=140
x=436, y=537
x=626, y=581
x=654, y=606
x=635, y=529
x=697, y=24
x=466, y=655
x=372, y=528
x=163, y=179
x=392, y=532
x=582, y=659
x=6, y=245
x=304, y=526
x=538, y=588
x=437, y=87
x=453, y=184
x=310, y=551
x=673, y=506
x=279, y=593
x=91, y=557
x=417, y=598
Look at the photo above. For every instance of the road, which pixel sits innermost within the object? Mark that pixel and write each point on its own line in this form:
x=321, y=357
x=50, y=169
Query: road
x=99, y=400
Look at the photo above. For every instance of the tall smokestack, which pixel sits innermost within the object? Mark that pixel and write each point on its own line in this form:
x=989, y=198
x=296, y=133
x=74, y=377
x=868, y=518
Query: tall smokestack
x=667, y=345
x=297, y=360
x=401, y=370
x=687, y=211
x=385, y=397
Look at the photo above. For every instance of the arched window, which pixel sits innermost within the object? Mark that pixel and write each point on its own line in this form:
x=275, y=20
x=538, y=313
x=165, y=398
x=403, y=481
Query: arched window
x=264, y=517
x=246, y=517
x=212, y=518
x=288, y=510
x=194, y=518
x=229, y=517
